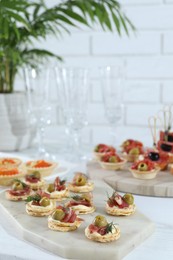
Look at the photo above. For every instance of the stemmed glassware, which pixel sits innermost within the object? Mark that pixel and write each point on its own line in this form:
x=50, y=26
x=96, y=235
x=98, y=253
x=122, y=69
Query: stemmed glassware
x=112, y=82
x=73, y=89
x=37, y=83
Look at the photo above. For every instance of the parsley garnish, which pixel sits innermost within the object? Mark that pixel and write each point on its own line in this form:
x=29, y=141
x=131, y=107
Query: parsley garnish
x=36, y=197
x=110, y=227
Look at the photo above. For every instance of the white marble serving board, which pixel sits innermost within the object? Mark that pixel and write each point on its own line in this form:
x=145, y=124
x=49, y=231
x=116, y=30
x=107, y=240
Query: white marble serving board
x=74, y=245
x=122, y=180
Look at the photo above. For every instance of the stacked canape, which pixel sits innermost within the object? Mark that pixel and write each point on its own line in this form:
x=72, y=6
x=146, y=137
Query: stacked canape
x=44, y=167
x=19, y=191
x=81, y=203
x=112, y=161
x=165, y=144
x=80, y=183
x=57, y=190
x=34, y=180
x=39, y=205
x=117, y=205
x=102, y=231
x=132, y=149
x=102, y=149
x=144, y=169
x=64, y=219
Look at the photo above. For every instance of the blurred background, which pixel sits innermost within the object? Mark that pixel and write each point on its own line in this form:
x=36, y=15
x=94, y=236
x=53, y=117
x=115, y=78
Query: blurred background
x=147, y=59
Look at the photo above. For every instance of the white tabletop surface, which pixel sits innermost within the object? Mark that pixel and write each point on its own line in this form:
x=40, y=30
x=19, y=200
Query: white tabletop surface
x=158, y=246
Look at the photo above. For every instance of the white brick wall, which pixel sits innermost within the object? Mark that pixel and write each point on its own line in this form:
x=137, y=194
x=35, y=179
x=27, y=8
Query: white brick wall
x=147, y=55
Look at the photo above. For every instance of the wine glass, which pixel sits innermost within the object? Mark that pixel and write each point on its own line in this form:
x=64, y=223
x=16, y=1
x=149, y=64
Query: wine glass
x=37, y=83
x=73, y=88
x=112, y=80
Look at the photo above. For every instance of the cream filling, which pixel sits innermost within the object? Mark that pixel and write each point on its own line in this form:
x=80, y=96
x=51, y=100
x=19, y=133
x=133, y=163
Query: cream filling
x=39, y=183
x=95, y=234
x=57, y=194
x=62, y=224
x=84, y=187
x=36, y=208
x=126, y=209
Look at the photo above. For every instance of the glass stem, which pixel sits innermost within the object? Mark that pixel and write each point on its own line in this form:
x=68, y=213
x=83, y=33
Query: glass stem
x=41, y=135
x=113, y=135
x=76, y=142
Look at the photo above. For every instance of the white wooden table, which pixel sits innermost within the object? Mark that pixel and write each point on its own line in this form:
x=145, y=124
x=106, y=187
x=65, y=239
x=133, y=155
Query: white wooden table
x=157, y=247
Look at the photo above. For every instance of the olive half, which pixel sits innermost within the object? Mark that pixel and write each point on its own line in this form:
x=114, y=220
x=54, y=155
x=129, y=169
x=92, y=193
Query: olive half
x=154, y=156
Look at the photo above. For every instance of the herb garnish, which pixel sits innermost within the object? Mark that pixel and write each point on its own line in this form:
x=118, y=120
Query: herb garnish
x=35, y=197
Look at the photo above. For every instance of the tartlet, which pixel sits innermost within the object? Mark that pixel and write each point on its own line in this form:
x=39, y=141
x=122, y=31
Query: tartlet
x=44, y=167
x=117, y=205
x=144, y=169
x=80, y=183
x=64, y=219
x=132, y=153
x=57, y=190
x=7, y=175
x=10, y=162
x=34, y=180
x=39, y=205
x=83, y=204
x=130, y=143
x=112, y=161
x=102, y=231
x=102, y=149
x=19, y=191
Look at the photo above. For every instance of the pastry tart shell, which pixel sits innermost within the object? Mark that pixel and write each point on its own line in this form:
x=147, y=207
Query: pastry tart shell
x=58, y=196
x=17, y=163
x=63, y=226
x=81, y=209
x=40, y=211
x=113, y=166
x=115, y=211
x=44, y=171
x=145, y=175
x=35, y=186
x=79, y=189
x=103, y=238
x=15, y=198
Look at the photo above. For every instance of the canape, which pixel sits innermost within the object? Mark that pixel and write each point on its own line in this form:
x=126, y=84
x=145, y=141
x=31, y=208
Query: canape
x=118, y=205
x=7, y=175
x=161, y=159
x=39, y=205
x=10, y=162
x=57, y=190
x=144, y=169
x=19, y=191
x=83, y=203
x=80, y=183
x=102, y=231
x=165, y=143
x=112, y=161
x=132, y=152
x=130, y=142
x=44, y=167
x=64, y=219
x=34, y=180
x=102, y=149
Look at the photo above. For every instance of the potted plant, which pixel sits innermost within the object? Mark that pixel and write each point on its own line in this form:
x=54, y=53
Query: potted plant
x=21, y=23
